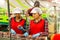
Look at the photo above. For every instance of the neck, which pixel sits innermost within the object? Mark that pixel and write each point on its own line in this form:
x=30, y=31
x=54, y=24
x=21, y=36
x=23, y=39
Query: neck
x=18, y=19
x=38, y=18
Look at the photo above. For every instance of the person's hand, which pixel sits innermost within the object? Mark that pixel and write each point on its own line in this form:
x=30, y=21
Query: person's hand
x=36, y=35
x=13, y=32
x=26, y=34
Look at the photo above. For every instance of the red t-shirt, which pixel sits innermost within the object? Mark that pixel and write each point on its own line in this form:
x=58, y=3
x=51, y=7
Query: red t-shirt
x=56, y=37
x=14, y=25
x=37, y=27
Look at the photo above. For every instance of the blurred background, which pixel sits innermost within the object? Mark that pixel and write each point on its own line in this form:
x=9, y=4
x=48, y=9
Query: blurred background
x=52, y=7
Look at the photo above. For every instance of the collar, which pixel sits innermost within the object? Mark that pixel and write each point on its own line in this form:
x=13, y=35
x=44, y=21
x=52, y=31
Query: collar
x=37, y=20
x=19, y=20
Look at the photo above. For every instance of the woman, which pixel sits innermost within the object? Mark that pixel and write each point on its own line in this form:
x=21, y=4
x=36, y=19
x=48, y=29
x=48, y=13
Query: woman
x=38, y=26
x=17, y=22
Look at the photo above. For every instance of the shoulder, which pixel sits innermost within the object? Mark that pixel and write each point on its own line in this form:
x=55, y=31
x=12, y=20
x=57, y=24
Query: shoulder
x=43, y=19
x=12, y=18
x=31, y=21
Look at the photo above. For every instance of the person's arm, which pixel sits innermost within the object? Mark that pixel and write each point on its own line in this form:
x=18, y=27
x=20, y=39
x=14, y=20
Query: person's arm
x=46, y=28
x=23, y=28
x=42, y=33
x=11, y=31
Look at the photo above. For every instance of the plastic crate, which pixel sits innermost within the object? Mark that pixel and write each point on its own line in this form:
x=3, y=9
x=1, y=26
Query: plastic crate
x=6, y=36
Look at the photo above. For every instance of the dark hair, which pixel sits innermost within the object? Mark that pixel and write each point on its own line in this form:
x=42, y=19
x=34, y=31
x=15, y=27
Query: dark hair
x=36, y=4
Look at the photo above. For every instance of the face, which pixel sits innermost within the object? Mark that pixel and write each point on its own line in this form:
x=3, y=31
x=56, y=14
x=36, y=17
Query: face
x=17, y=14
x=36, y=15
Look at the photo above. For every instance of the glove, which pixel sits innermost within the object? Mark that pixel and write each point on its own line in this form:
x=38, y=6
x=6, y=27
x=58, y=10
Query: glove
x=26, y=34
x=36, y=35
x=21, y=28
x=13, y=32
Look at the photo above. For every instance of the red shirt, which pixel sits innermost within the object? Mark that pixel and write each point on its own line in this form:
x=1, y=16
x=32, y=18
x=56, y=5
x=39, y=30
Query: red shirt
x=37, y=27
x=14, y=25
x=56, y=37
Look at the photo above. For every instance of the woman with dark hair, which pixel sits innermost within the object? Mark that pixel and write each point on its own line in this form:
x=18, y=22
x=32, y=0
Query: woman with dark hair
x=38, y=26
x=17, y=22
x=36, y=4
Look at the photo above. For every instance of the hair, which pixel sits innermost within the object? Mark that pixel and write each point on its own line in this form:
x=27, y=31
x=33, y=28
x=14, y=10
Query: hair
x=36, y=4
